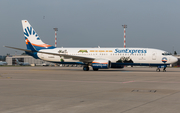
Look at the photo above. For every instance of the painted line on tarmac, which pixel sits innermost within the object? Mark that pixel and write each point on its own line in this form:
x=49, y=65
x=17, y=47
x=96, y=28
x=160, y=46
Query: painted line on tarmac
x=128, y=82
x=115, y=82
x=123, y=82
x=173, y=82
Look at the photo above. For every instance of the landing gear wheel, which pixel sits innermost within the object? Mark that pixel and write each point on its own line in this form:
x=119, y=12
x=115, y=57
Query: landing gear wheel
x=158, y=70
x=95, y=69
x=86, y=68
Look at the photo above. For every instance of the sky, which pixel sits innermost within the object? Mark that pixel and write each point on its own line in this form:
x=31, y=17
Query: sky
x=92, y=23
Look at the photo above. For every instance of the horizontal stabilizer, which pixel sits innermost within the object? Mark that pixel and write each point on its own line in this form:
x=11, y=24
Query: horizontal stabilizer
x=20, y=49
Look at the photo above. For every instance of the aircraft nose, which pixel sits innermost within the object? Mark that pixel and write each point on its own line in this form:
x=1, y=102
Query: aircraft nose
x=174, y=59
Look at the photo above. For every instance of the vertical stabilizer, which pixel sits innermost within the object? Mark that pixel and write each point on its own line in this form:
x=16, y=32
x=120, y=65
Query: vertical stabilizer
x=33, y=41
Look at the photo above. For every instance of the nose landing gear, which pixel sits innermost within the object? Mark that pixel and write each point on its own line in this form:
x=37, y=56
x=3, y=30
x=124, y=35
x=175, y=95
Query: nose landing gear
x=164, y=69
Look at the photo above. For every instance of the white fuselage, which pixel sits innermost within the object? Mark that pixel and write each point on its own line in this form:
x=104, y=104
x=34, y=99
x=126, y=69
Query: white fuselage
x=137, y=55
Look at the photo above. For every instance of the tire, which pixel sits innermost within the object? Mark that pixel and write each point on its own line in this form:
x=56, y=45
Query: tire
x=85, y=68
x=158, y=70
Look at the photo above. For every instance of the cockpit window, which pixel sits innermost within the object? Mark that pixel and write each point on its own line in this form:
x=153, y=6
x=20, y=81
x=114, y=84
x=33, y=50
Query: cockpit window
x=166, y=53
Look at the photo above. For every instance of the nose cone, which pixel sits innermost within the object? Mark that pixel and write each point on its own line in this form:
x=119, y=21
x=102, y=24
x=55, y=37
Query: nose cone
x=174, y=59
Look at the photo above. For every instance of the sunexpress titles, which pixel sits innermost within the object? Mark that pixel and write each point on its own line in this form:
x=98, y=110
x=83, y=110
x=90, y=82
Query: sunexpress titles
x=130, y=51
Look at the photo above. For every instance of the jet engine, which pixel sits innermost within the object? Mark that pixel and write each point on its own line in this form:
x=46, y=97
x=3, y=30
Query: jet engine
x=101, y=64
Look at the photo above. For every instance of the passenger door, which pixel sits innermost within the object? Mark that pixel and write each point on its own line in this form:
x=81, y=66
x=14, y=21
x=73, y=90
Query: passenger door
x=154, y=54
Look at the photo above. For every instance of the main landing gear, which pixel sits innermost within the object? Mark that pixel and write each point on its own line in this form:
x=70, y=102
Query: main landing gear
x=158, y=68
x=86, y=68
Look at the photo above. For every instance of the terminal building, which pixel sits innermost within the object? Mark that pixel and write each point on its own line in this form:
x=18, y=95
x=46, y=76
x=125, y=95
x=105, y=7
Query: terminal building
x=2, y=58
x=11, y=60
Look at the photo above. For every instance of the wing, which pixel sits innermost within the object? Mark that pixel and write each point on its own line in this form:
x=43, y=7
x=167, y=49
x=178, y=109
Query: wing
x=74, y=57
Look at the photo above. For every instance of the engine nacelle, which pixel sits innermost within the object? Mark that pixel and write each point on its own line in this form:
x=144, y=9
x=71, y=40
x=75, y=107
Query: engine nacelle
x=101, y=64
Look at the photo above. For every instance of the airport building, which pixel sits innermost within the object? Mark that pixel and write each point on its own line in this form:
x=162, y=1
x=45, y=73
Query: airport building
x=11, y=60
x=2, y=58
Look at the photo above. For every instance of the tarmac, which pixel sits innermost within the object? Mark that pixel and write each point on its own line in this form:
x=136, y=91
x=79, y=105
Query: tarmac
x=72, y=90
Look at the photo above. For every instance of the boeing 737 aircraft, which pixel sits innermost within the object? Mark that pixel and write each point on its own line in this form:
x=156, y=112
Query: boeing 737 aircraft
x=97, y=58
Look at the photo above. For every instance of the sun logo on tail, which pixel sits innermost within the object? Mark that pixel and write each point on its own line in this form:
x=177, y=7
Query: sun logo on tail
x=30, y=31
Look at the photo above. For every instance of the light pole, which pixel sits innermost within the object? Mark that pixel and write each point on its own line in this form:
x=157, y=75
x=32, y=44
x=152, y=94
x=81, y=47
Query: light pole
x=124, y=26
x=55, y=29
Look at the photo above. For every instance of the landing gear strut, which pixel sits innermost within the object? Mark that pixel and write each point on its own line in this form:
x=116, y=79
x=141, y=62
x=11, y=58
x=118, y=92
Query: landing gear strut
x=164, y=69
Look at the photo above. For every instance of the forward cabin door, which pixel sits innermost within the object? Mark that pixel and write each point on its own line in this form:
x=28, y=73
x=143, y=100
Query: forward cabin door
x=154, y=55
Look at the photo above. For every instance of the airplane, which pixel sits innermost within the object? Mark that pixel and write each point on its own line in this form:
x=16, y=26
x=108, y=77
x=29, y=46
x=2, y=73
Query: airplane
x=22, y=63
x=2, y=63
x=97, y=58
